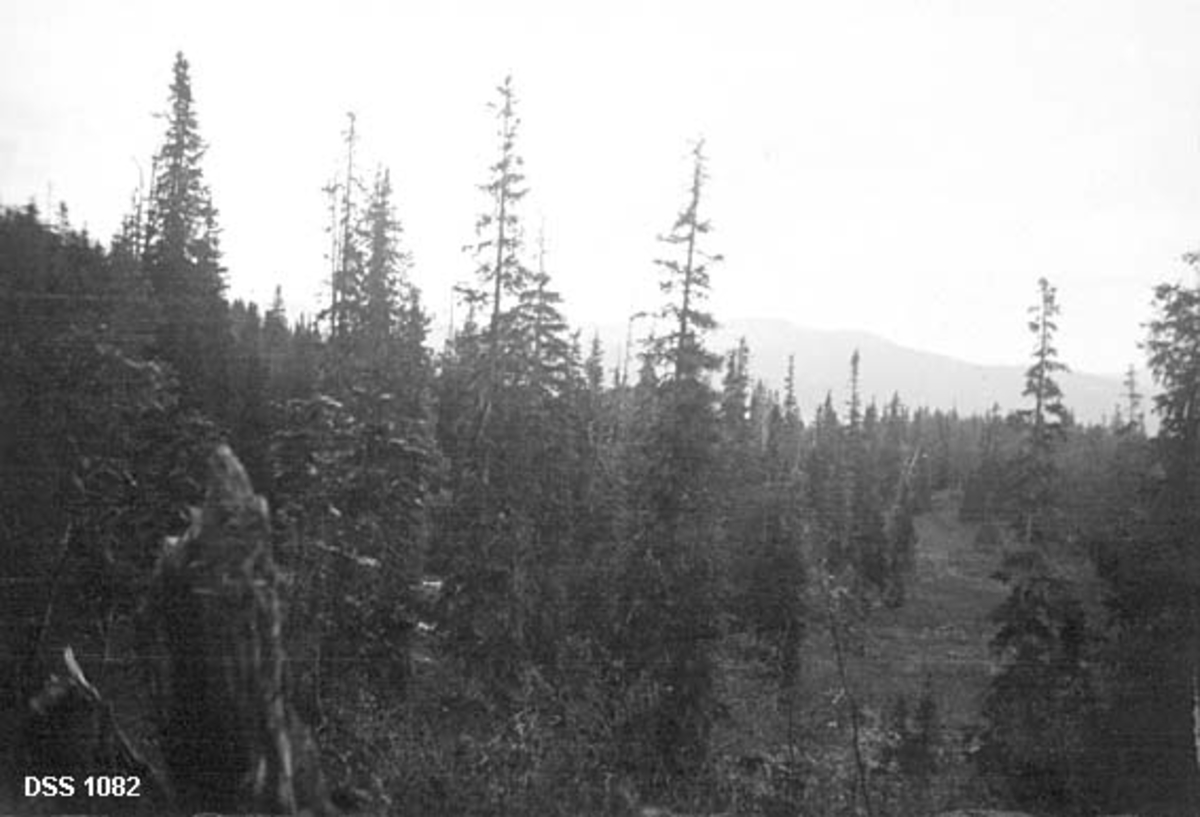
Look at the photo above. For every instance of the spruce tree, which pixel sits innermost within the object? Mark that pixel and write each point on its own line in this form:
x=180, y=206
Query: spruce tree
x=791, y=407
x=387, y=485
x=502, y=273
x=183, y=258
x=276, y=337
x=822, y=465
x=686, y=283
x=541, y=329
x=1174, y=359
x=669, y=592
x=508, y=419
x=346, y=232
x=1045, y=422
x=735, y=392
x=1040, y=706
x=1134, y=420
x=385, y=269
x=850, y=466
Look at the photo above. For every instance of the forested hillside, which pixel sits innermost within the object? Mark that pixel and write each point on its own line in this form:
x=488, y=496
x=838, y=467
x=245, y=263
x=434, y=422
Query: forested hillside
x=515, y=580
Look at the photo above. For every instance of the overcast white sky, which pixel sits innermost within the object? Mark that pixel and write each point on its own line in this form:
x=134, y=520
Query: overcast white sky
x=908, y=168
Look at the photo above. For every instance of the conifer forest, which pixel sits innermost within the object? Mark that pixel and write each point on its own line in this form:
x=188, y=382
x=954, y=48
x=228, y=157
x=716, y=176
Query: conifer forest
x=340, y=563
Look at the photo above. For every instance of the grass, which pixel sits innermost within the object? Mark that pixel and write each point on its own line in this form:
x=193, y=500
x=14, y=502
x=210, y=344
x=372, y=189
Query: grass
x=941, y=632
x=943, y=629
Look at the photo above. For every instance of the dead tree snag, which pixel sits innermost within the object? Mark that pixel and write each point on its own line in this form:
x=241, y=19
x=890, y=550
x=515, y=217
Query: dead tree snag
x=230, y=740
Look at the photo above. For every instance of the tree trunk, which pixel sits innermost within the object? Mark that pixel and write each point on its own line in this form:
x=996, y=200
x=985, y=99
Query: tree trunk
x=231, y=741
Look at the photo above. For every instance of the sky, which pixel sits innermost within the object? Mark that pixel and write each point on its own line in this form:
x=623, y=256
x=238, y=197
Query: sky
x=904, y=167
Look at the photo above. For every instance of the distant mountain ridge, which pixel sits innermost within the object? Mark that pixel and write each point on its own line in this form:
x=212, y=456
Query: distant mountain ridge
x=920, y=378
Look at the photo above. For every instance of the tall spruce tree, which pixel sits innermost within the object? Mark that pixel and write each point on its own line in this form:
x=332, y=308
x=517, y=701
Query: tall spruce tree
x=1174, y=351
x=1174, y=358
x=346, y=233
x=507, y=417
x=502, y=273
x=1045, y=421
x=669, y=592
x=355, y=460
x=685, y=282
x=384, y=273
x=183, y=258
x=1041, y=705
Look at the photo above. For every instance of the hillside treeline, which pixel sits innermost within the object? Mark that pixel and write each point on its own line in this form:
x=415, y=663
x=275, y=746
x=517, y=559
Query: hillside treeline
x=517, y=583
